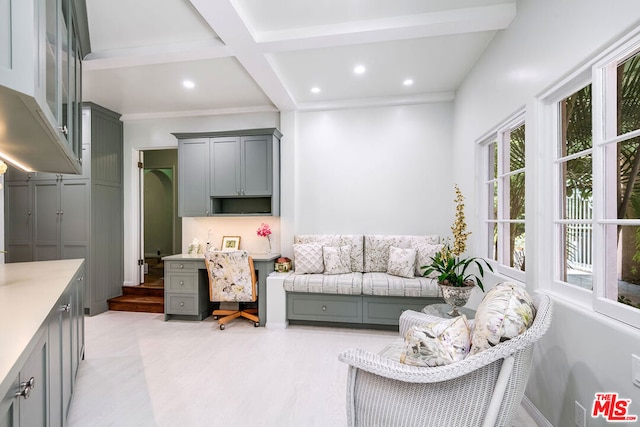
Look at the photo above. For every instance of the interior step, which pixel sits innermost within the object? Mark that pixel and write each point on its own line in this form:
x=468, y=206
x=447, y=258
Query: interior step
x=141, y=298
x=143, y=290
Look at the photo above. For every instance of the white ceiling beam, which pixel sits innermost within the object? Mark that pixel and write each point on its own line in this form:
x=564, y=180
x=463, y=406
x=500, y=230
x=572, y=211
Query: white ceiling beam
x=150, y=55
x=448, y=22
x=424, y=98
x=227, y=23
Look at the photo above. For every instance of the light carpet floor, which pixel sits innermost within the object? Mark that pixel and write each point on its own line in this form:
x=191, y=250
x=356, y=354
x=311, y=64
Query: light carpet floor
x=142, y=371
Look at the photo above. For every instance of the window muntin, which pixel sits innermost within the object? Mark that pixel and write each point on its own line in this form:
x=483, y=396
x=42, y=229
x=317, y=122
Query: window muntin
x=505, y=204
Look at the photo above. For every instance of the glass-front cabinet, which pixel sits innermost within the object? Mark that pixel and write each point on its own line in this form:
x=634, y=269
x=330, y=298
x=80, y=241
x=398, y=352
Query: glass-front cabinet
x=40, y=83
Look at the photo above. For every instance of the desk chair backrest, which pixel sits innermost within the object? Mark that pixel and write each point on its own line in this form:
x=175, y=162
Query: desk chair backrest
x=231, y=276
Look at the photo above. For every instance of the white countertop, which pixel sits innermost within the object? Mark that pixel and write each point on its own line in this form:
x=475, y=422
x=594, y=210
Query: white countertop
x=28, y=292
x=200, y=257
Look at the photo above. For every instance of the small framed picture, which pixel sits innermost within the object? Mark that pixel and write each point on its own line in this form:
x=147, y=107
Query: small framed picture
x=230, y=243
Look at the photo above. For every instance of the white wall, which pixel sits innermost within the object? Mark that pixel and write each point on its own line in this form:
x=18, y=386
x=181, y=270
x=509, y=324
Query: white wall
x=583, y=353
x=157, y=134
x=382, y=170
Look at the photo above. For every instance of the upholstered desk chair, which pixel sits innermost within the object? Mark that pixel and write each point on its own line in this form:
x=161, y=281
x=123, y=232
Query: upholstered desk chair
x=232, y=278
x=482, y=390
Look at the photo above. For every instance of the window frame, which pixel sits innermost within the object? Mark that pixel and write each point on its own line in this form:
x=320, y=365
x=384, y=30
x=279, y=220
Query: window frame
x=600, y=72
x=500, y=135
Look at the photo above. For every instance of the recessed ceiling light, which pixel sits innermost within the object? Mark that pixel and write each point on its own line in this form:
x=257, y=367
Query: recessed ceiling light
x=407, y=82
x=359, y=69
x=189, y=84
x=315, y=89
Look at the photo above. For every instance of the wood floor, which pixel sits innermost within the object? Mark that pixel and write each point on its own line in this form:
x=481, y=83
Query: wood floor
x=147, y=297
x=142, y=371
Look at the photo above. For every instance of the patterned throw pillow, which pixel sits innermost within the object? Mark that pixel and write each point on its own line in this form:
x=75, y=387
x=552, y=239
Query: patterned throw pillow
x=437, y=344
x=506, y=311
x=336, y=259
x=308, y=258
x=424, y=255
x=402, y=262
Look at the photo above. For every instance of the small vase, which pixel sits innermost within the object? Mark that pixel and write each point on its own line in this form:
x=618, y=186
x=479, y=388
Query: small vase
x=268, y=244
x=456, y=296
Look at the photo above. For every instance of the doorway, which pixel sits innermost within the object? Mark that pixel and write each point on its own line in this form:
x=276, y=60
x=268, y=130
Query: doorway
x=162, y=227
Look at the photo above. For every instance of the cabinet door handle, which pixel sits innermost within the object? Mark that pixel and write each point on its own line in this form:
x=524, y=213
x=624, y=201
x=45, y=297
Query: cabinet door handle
x=181, y=283
x=181, y=265
x=63, y=129
x=65, y=307
x=324, y=308
x=182, y=304
x=26, y=388
x=29, y=213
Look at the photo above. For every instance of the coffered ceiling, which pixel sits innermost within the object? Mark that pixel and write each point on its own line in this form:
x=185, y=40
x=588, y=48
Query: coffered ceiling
x=281, y=55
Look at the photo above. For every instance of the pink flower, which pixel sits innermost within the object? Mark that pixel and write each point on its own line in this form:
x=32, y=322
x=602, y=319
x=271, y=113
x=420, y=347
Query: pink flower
x=264, y=230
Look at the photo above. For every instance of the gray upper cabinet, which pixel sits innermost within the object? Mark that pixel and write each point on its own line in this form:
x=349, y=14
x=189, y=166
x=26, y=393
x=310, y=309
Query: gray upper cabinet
x=193, y=177
x=40, y=82
x=241, y=173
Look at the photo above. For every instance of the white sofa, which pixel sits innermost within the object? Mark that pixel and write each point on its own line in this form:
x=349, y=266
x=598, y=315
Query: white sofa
x=367, y=294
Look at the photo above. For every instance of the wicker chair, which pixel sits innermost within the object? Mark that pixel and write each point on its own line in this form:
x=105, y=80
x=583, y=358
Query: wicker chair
x=483, y=390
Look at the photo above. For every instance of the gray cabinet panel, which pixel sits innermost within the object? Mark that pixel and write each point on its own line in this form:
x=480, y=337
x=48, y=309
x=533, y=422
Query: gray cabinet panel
x=225, y=171
x=18, y=222
x=256, y=166
x=323, y=307
x=74, y=212
x=193, y=177
x=9, y=406
x=33, y=411
x=46, y=208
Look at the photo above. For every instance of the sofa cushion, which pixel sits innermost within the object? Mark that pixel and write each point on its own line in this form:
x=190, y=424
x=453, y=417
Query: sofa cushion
x=387, y=285
x=344, y=284
x=376, y=248
x=401, y=262
x=355, y=240
x=308, y=258
x=336, y=259
x=506, y=311
x=437, y=343
x=424, y=254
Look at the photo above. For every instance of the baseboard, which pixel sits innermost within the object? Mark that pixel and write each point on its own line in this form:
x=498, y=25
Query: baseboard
x=276, y=325
x=534, y=413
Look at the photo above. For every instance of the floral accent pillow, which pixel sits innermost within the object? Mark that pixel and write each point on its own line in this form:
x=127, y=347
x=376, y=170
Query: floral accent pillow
x=437, y=343
x=424, y=254
x=401, y=262
x=506, y=311
x=337, y=260
x=308, y=258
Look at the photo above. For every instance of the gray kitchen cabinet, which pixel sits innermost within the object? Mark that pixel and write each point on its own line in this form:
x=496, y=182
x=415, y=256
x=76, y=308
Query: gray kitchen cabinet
x=242, y=173
x=241, y=166
x=40, y=82
x=25, y=403
x=193, y=177
x=40, y=394
x=19, y=222
x=60, y=216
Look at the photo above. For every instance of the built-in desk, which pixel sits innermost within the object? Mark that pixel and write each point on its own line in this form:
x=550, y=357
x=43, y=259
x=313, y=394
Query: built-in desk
x=186, y=286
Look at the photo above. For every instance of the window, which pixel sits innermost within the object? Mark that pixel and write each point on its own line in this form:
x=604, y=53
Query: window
x=596, y=174
x=505, y=197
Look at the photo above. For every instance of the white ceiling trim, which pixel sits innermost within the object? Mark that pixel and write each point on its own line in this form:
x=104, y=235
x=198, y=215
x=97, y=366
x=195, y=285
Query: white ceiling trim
x=194, y=113
x=150, y=55
x=227, y=23
x=426, y=98
x=459, y=21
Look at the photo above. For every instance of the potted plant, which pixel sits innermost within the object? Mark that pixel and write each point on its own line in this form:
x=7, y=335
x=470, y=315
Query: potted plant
x=451, y=270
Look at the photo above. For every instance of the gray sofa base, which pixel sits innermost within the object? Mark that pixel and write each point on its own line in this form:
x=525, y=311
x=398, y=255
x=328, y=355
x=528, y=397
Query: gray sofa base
x=352, y=309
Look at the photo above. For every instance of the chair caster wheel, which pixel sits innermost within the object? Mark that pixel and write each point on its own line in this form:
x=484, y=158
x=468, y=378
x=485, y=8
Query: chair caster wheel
x=257, y=324
x=222, y=327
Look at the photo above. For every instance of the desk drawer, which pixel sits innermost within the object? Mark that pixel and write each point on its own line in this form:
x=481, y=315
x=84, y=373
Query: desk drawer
x=178, y=266
x=323, y=307
x=181, y=304
x=182, y=282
